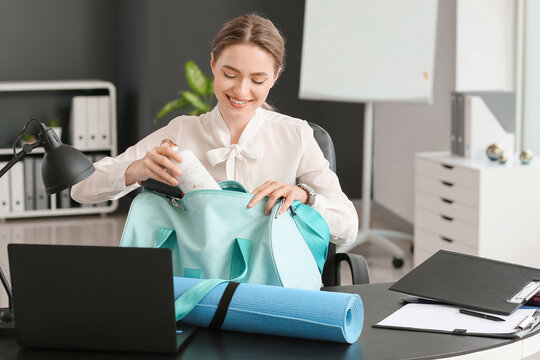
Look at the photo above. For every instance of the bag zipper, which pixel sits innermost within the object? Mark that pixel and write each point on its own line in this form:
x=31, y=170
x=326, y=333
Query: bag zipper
x=174, y=201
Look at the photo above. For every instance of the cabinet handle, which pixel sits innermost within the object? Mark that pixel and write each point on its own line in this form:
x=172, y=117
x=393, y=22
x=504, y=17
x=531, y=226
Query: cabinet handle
x=446, y=166
x=446, y=239
x=447, y=183
x=448, y=201
x=447, y=218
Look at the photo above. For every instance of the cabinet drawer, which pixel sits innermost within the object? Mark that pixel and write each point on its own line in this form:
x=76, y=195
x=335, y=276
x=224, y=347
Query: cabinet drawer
x=448, y=207
x=448, y=172
x=427, y=243
x=452, y=229
x=448, y=190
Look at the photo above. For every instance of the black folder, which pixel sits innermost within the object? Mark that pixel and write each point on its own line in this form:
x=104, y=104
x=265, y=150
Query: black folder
x=471, y=282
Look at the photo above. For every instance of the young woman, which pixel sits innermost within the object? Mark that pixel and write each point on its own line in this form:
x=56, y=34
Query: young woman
x=270, y=154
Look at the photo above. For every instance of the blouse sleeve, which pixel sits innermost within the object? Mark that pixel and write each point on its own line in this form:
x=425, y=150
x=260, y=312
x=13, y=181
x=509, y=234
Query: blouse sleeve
x=335, y=207
x=108, y=181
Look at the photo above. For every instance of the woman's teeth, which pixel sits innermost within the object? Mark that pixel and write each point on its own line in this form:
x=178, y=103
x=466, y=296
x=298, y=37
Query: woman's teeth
x=237, y=101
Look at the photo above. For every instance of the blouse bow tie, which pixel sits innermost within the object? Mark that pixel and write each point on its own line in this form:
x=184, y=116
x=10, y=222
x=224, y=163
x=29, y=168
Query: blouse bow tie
x=234, y=153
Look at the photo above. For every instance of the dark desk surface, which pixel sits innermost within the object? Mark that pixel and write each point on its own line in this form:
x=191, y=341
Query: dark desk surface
x=373, y=343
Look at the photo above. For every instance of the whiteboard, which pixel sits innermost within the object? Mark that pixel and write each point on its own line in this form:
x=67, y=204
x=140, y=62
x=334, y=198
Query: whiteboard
x=531, y=83
x=368, y=50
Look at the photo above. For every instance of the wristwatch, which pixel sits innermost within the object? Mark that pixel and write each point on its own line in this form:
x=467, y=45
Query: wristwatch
x=311, y=193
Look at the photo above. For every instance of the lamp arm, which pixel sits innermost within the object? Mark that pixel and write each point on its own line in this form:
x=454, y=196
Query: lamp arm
x=27, y=148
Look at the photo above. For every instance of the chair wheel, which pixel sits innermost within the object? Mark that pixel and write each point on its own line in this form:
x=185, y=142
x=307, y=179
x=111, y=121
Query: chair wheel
x=397, y=262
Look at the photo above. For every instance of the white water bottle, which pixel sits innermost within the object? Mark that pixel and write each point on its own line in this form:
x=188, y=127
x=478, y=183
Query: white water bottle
x=194, y=176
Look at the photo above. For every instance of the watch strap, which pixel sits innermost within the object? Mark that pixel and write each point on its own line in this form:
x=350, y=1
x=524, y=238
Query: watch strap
x=311, y=193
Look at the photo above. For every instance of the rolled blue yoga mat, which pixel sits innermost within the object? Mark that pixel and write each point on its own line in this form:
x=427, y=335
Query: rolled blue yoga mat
x=274, y=310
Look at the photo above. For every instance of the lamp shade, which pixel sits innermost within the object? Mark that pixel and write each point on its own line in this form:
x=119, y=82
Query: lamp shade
x=63, y=167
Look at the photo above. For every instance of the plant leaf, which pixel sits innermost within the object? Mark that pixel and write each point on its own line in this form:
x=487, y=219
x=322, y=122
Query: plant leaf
x=210, y=89
x=176, y=104
x=196, y=78
x=196, y=101
x=195, y=112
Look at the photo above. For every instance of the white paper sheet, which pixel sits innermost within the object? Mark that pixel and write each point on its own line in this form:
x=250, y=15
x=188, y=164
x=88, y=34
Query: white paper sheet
x=440, y=317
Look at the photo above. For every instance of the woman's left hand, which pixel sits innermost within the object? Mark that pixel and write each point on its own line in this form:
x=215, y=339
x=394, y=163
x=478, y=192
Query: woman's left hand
x=275, y=190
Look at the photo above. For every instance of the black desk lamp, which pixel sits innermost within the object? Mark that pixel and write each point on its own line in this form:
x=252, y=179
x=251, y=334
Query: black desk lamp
x=63, y=166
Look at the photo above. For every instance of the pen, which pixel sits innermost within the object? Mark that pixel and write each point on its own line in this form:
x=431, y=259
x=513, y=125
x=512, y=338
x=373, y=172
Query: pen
x=480, y=315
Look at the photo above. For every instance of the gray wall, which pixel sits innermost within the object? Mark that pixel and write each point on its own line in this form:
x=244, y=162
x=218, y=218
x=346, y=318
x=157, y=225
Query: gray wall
x=57, y=39
x=142, y=45
x=52, y=40
x=401, y=130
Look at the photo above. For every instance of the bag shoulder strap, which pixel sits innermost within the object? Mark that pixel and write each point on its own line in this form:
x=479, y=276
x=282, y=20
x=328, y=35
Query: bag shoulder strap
x=314, y=230
x=239, y=269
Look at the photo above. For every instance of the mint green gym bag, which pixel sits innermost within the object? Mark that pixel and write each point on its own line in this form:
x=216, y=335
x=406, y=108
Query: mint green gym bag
x=213, y=235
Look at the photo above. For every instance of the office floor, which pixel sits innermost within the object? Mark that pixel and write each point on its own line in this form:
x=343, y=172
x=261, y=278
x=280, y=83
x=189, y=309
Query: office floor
x=107, y=230
x=380, y=260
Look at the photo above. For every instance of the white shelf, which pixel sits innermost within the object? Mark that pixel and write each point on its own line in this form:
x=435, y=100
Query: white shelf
x=61, y=212
x=67, y=85
x=39, y=150
x=55, y=85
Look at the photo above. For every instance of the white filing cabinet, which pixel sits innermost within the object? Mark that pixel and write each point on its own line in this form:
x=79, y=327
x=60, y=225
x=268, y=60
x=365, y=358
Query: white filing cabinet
x=477, y=207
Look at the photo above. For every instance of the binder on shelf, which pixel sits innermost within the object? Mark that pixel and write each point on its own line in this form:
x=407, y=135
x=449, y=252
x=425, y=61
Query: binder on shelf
x=92, y=122
x=479, y=119
x=96, y=158
x=104, y=120
x=460, y=124
x=29, y=200
x=457, y=136
x=64, y=199
x=5, y=198
x=471, y=282
x=441, y=318
x=453, y=123
x=40, y=194
x=16, y=181
x=78, y=122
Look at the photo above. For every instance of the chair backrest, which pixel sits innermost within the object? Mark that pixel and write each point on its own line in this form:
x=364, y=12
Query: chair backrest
x=327, y=146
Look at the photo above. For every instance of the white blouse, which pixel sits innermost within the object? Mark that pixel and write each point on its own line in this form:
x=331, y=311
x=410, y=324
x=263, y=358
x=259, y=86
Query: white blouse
x=272, y=147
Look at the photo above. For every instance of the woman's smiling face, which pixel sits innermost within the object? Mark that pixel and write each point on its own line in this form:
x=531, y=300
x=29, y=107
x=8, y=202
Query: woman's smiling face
x=243, y=76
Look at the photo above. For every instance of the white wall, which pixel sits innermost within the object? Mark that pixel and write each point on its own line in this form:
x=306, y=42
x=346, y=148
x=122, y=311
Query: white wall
x=475, y=51
x=485, y=37
x=531, y=84
x=401, y=130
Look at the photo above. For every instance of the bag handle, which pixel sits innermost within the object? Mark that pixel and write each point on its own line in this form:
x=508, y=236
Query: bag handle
x=314, y=230
x=239, y=270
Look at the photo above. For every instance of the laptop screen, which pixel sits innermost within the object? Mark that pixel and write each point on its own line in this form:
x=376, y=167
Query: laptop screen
x=93, y=297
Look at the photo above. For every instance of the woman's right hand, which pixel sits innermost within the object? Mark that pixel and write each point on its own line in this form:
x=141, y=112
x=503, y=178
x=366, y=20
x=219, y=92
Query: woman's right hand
x=155, y=164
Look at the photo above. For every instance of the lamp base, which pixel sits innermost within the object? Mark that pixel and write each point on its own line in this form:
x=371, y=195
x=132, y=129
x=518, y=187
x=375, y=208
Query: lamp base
x=6, y=327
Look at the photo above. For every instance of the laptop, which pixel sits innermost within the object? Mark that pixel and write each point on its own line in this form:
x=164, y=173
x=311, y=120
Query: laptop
x=95, y=298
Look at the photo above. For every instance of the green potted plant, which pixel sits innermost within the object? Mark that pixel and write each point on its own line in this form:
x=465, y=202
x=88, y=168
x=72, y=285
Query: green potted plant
x=200, y=98
x=27, y=139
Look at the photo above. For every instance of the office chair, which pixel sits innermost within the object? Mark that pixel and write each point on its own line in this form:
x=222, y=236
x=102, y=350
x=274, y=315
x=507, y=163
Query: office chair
x=331, y=275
